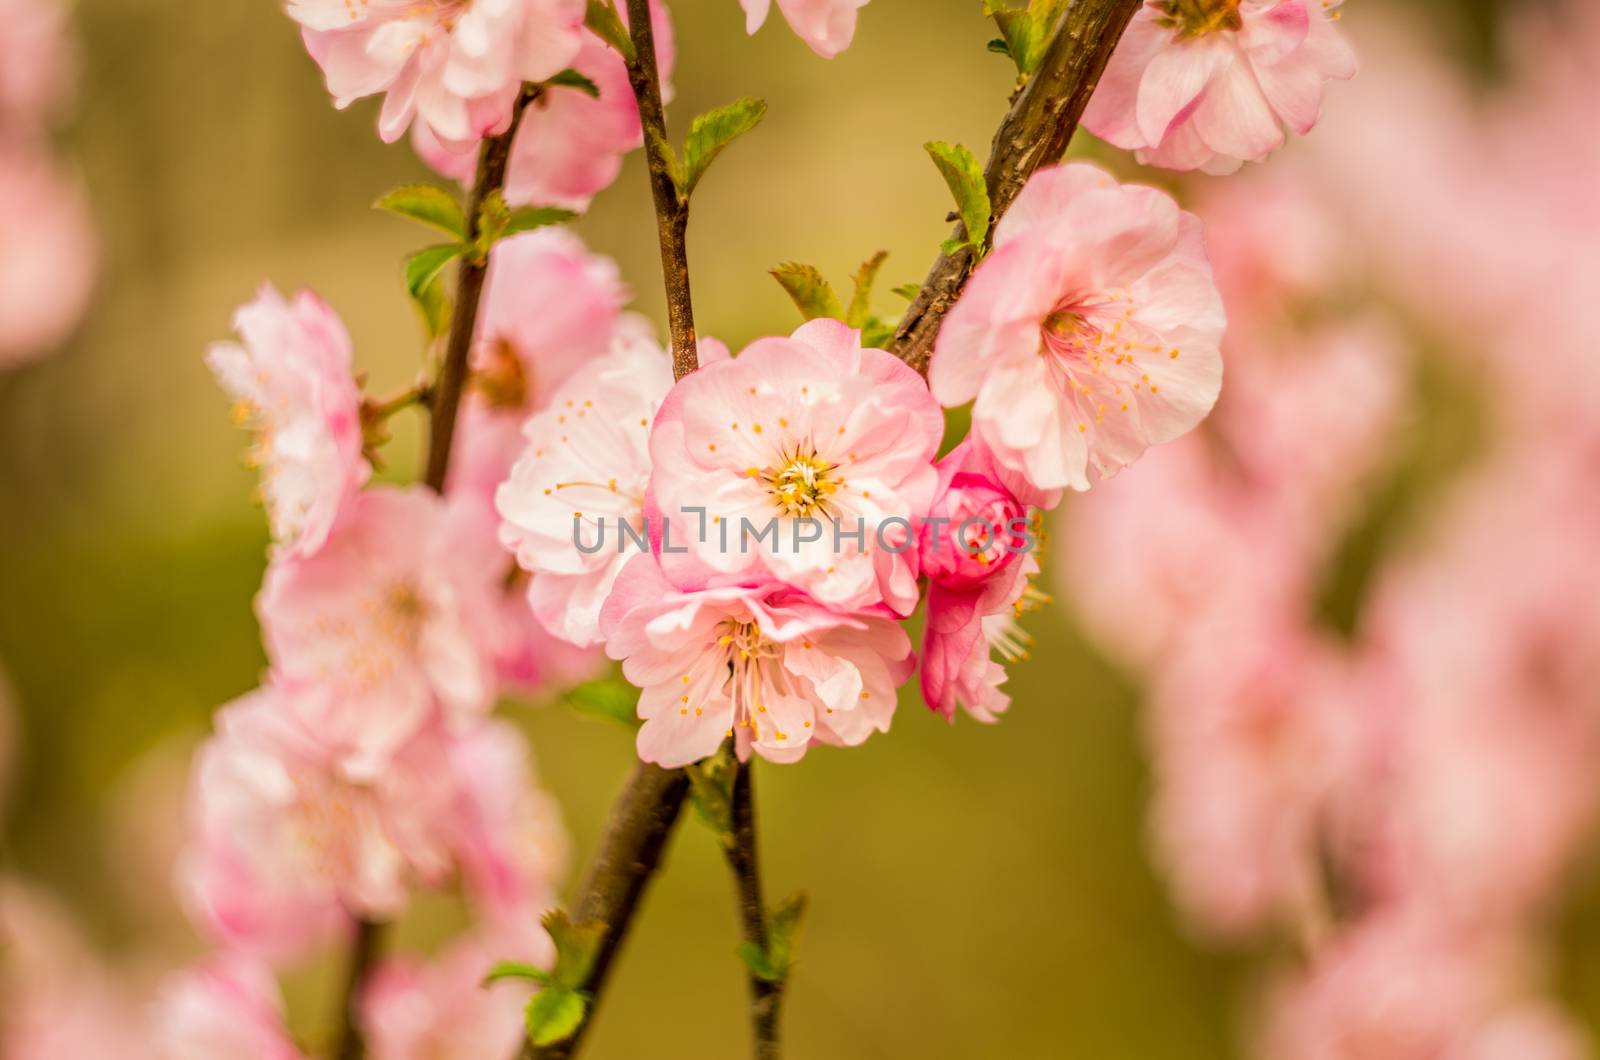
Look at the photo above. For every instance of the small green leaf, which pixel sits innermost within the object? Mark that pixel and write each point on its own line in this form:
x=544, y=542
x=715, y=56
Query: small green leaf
x=877, y=334
x=423, y=267
x=861, y=296
x=555, y=1014
x=570, y=78
x=964, y=176
x=755, y=958
x=603, y=19
x=527, y=218
x=577, y=946
x=428, y=204
x=711, y=790
x=607, y=698
x=909, y=291
x=674, y=167
x=809, y=290
x=434, y=305
x=783, y=930
x=950, y=246
x=1026, y=33
x=713, y=131
x=516, y=970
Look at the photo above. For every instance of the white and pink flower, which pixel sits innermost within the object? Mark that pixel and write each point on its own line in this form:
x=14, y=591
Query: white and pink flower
x=764, y=665
x=229, y=1006
x=291, y=380
x=1088, y=335
x=454, y=66
x=827, y=26
x=1210, y=84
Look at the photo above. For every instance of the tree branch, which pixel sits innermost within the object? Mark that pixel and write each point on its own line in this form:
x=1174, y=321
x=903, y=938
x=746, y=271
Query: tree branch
x=766, y=996
x=1035, y=133
x=363, y=955
x=672, y=208
x=493, y=158
x=635, y=836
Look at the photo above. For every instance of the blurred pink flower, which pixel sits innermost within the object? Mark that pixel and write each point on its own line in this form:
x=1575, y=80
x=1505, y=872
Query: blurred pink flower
x=292, y=383
x=765, y=665
x=808, y=428
x=1089, y=334
x=413, y=1010
x=227, y=1006
x=585, y=458
x=38, y=63
x=1209, y=84
x=570, y=145
x=48, y=274
x=395, y=616
x=456, y=66
x=827, y=26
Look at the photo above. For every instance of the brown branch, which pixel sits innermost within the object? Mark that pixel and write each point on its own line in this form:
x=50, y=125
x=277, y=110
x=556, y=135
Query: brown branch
x=672, y=208
x=1035, y=133
x=363, y=956
x=766, y=996
x=493, y=158
x=630, y=852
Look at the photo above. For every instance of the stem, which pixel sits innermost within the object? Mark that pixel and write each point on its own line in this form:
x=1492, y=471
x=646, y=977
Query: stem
x=672, y=208
x=635, y=836
x=1035, y=133
x=363, y=955
x=493, y=158
x=766, y=997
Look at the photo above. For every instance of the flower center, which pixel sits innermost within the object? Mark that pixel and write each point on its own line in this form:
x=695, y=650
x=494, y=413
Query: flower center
x=801, y=483
x=401, y=614
x=1197, y=18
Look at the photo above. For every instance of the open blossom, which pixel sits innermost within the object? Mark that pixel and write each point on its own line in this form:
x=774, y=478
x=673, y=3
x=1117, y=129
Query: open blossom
x=800, y=437
x=394, y=616
x=291, y=380
x=455, y=66
x=1090, y=333
x=570, y=145
x=228, y=1006
x=765, y=665
x=441, y=1010
x=1210, y=84
x=285, y=846
x=46, y=282
x=827, y=26
x=586, y=460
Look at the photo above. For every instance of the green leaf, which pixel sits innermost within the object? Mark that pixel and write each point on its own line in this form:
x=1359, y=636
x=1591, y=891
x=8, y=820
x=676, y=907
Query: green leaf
x=577, y=946
x=674, y=167
x=427, y=204
x=517, y=970
x=711, y=790
x=570, y=78
x=783, y=930
x=755, y=958
x=1025, y=33
x=603, y=19
x=713, y=131
x=607, y=698
x=555, y=1014
x=877, y=333
x=861, y=296
x=964, y=176
x=909, y=291
x=527, y=218
x=423, y=267
x=809, y=290
x=434, y=305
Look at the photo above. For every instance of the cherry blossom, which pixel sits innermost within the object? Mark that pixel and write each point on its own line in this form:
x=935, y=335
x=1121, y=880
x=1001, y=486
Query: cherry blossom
x=46, y=283
x=585, y=458
x=805, y=436
x=454, y=66
x=1089, y=334
x=227, y=1006
x=1210, y=84
x=827, y=26
x=413, y=1010
x=291, y=380
x=764, y=665
x=37, y=62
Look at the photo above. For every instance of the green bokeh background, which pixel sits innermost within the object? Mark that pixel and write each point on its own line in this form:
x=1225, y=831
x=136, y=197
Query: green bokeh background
x=976, y=891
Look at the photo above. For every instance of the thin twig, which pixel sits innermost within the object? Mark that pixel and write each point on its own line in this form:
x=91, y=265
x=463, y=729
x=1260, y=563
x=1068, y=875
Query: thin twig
x=1035, y=133
x=363, y=956
x=766, y=996
x=672, y=208
x=635, y=836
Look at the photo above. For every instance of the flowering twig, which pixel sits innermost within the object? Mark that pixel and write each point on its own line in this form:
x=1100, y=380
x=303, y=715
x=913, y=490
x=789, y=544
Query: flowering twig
x=1035, y=132
x=363, y=955
x=766, y=991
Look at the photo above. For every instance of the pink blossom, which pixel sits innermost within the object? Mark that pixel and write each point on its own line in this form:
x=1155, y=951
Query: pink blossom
x=441, y=1011
x=228, y=1006
x=569, y=146
x=1209, y=84
x=827, y=26
x=765, y=665
x=285, y=847
x=396, y=616
x=804, y=434
x=292, y=384
x=37, y=62
x=585, y=460
x=47, y=277
x=456, y=66
x=1090, y=333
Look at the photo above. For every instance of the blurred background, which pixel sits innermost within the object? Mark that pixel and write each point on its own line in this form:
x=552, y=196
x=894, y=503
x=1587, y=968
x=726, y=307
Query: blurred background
x=976, y=891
